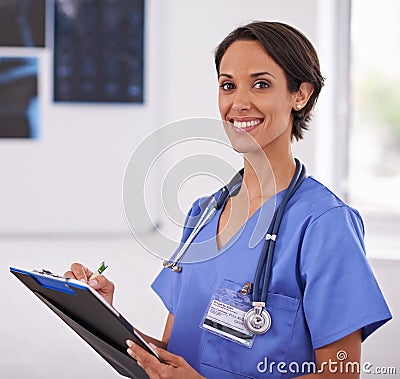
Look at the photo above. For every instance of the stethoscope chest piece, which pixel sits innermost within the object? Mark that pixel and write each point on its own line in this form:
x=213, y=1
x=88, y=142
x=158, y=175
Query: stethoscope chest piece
x=257, y=320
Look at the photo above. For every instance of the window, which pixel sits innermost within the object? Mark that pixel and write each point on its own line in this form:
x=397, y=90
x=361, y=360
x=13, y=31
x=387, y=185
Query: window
x=374, y=146
x=374, y=154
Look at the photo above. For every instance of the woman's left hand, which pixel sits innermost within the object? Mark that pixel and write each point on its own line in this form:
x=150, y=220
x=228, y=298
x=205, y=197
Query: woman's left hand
x=174, y=367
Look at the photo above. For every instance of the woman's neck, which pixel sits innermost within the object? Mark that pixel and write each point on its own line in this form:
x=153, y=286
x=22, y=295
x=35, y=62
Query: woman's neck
x=265, y=175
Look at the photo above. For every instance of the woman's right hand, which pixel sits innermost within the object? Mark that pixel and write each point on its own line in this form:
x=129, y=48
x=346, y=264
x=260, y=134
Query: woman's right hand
x=101, y=284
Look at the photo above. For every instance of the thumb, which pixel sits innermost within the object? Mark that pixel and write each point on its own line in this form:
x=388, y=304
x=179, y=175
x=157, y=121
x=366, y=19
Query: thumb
x=101, y=283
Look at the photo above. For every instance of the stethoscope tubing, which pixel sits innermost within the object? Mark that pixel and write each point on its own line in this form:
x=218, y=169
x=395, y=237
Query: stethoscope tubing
x=264, y=267
x=205, y=217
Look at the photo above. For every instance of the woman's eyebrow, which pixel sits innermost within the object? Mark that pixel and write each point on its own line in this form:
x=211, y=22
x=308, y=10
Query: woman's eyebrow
x=257, y=74
x=227, y=75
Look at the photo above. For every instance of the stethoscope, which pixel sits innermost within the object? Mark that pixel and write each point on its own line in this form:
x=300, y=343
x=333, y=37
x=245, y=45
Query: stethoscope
x=257, y=320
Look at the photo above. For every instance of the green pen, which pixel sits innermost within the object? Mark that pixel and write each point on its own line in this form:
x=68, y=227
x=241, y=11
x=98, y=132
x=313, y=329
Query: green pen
x=99, y=271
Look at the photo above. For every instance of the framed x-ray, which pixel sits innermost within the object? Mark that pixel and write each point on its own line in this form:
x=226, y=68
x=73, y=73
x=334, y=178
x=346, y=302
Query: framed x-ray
x=22, y=23
x=98, y=51
x=18, y=97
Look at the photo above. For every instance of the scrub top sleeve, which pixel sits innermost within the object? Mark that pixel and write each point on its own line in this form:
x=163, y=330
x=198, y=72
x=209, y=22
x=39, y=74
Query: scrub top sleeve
x=341, y=294
x=167, y=284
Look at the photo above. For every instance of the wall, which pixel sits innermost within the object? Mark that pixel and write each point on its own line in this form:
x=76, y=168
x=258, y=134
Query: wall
x=70, y=179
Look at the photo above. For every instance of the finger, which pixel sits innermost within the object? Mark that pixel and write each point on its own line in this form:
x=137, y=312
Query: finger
x=80, y=272
x=167, y=357
x=69, y=274
x=146, y=360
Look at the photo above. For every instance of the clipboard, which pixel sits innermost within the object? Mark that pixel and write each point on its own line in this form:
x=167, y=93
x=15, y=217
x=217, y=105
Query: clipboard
x=90, y=316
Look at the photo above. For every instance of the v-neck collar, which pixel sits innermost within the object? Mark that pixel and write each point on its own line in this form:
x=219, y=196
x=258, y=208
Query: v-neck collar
x=276, y=199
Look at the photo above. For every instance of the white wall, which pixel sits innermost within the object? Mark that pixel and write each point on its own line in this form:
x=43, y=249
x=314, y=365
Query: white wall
x=70, y=180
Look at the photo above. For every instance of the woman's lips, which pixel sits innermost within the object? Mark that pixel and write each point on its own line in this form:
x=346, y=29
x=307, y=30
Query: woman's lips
x=246, y=125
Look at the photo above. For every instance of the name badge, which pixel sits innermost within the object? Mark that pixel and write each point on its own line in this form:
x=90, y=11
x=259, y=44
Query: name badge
x=225, y=314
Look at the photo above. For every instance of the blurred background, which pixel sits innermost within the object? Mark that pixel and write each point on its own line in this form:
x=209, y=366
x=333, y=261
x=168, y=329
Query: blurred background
x=83, y=82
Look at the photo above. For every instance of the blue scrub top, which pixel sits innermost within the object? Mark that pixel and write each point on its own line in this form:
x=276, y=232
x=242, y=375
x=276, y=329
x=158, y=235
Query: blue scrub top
x=321, y=288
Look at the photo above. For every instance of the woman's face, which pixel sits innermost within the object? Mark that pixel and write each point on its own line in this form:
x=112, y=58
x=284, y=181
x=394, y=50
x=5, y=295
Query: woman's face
x=254, y=99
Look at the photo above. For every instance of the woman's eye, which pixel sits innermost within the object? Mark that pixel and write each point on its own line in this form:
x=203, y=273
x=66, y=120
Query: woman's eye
x=261, y=84
x=227, y=86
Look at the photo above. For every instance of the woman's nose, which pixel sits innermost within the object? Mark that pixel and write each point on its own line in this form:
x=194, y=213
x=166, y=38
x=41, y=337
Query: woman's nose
x=241, y=100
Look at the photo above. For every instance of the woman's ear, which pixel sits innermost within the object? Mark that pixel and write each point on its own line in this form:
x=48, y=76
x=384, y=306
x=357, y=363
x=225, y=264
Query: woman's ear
x=303, y=95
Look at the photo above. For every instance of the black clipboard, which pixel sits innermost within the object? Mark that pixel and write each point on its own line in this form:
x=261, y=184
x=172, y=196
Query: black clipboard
x=90, y=316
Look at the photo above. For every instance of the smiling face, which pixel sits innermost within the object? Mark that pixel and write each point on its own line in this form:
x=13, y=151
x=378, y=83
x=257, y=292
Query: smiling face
x=254, y=99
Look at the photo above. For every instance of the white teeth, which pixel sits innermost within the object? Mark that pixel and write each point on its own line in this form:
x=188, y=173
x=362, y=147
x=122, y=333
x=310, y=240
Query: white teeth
x=245, y=124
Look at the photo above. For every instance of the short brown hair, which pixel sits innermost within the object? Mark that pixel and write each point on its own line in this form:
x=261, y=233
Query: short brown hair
x=293, y=52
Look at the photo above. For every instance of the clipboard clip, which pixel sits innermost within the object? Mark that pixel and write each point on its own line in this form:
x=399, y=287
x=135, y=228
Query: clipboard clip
x=48, y=273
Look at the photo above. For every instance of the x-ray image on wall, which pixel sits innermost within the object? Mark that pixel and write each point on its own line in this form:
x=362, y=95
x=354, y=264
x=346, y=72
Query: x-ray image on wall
x=18, y=98
x=98, y=51
x=22, y=23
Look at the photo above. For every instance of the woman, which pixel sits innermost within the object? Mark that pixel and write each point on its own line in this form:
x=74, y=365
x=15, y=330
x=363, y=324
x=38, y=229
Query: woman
x=322, y=296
